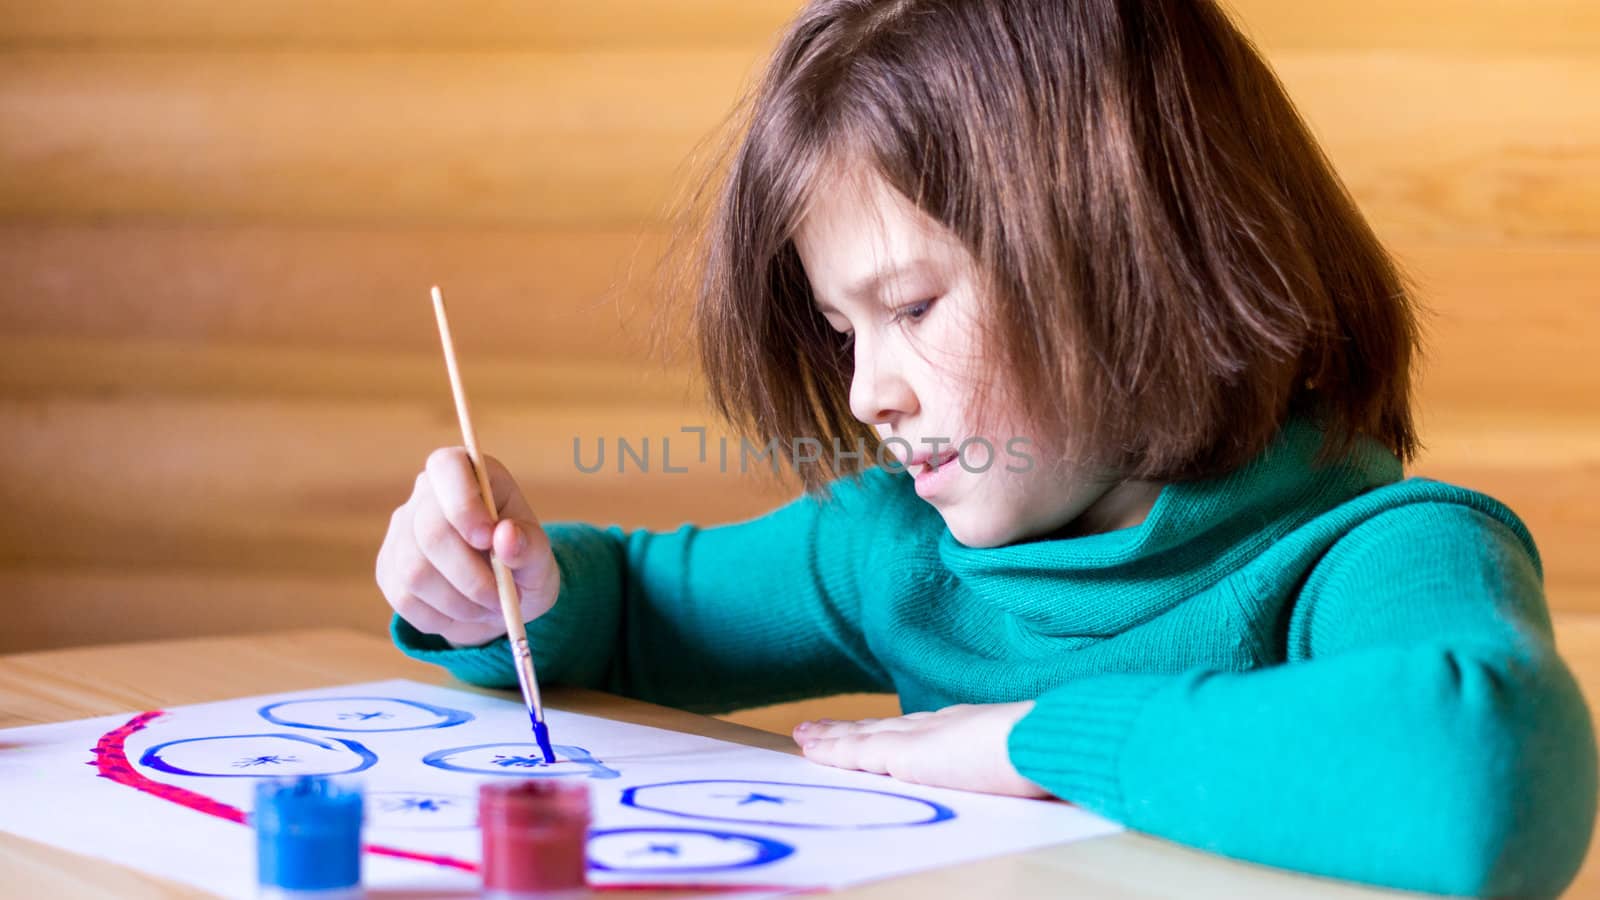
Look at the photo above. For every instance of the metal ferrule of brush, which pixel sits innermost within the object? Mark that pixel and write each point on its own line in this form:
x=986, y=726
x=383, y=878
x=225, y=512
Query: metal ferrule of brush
x=530, y=686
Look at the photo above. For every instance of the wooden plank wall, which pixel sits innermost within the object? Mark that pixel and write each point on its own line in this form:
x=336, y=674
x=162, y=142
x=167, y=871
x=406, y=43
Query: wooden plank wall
x=218, y=222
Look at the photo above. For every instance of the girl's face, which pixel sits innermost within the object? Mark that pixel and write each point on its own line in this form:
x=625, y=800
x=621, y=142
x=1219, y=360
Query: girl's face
x=904, y=289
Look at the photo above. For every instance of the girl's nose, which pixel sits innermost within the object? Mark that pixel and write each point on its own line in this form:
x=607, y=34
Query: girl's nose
x=879, y=391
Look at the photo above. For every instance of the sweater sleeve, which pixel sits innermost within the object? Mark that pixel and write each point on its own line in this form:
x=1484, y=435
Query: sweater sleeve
x=1424, y=735
x=705, y=619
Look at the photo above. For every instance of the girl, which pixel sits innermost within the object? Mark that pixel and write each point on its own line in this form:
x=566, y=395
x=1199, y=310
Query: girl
x=1081, y=269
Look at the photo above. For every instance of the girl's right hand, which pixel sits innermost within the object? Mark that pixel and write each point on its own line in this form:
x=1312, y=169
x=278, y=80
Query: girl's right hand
x=433, y=566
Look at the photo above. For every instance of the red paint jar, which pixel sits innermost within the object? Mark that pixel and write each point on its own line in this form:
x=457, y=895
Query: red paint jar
x=535, y=833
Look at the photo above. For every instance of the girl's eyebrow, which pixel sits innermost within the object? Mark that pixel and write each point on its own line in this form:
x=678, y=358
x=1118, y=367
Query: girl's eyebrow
x=870, y=285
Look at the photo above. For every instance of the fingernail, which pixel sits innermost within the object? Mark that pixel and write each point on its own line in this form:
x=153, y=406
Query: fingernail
x=809, y=744
x=519, y=542
x=481, y=537
x=803, y=726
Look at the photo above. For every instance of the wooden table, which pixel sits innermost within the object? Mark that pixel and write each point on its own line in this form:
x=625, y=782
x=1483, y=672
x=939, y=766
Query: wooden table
x=61, y=685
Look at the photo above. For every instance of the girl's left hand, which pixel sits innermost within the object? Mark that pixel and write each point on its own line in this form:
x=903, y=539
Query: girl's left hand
x=962, y=747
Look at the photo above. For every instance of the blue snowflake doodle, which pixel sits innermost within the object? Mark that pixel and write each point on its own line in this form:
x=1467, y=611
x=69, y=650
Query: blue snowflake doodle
x=418, y=804
x=271, y=760
x=365, y=716
x=754, y=797
x=420, y=811
x=519, y=762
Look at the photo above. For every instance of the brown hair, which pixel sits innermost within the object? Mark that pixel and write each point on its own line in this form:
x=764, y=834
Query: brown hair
x=1170, y=265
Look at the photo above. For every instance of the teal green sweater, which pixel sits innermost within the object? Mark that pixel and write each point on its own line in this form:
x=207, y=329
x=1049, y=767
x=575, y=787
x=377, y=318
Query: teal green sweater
x=1333, y=670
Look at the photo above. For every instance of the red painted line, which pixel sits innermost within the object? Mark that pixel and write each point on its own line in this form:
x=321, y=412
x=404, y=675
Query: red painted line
x=111, y=759
x=449, y=862
x=705, y=888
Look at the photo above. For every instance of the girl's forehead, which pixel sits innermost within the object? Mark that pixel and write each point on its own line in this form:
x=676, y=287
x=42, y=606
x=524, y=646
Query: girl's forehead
x=861, y=215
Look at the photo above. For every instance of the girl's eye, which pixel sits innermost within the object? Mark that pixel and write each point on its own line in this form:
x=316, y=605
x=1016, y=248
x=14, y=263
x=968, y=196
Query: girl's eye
x=914, y=312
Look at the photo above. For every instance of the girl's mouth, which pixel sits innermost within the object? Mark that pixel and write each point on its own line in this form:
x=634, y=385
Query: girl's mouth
x=936, y=472
x=938, y=462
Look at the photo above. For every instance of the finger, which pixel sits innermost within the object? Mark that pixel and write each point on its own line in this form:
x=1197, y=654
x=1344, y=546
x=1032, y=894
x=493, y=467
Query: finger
x=462, y=568
x=867, y=752
x=454, y=486
x=422, y=617
x=827, y=728
x=459, y=634
x=473, y=636
x=387, y=570
x=404, y=572
x=438, y=593
x=508, y=499
x=525, y=548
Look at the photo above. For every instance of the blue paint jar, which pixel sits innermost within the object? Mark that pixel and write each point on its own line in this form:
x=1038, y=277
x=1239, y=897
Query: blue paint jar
x=308, y=838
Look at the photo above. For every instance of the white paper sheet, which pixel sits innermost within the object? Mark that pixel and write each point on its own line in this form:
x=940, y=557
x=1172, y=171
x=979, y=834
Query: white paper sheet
x=669, y=808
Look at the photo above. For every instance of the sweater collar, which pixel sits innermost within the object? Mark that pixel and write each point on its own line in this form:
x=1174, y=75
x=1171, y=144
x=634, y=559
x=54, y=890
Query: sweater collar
x=1195, y=534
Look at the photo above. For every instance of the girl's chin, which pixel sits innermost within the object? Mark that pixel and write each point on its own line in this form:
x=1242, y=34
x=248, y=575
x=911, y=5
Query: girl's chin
x=977, y=534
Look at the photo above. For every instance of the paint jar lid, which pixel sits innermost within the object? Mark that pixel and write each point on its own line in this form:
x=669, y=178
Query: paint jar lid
x=550, y=802
x=308, y=833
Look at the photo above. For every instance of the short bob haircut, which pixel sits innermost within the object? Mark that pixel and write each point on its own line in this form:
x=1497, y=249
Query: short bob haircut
x=1169, y=265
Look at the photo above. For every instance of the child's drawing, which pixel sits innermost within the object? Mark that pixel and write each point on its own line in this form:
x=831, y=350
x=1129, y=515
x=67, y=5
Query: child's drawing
x=785, y=804
x=367, y=714
x=655, y=851
x=670, y=809
x=519, y=759
x=420, y=811
x=258, y=756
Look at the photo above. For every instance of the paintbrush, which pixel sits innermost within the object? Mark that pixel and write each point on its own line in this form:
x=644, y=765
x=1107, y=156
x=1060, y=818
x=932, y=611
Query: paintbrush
x=521, y=654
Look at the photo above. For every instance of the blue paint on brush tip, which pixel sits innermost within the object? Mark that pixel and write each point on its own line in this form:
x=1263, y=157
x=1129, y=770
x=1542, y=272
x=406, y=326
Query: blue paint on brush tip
x=541, y=733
